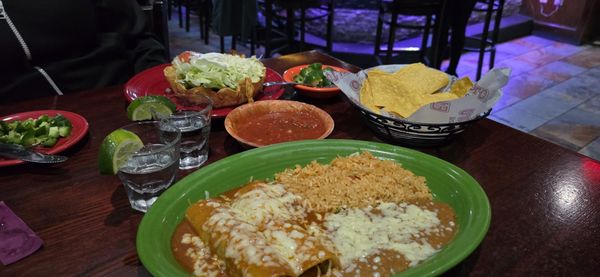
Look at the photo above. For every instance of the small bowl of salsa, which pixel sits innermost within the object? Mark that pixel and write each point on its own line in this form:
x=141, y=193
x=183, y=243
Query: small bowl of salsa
x=268, y=122
x=314, y=83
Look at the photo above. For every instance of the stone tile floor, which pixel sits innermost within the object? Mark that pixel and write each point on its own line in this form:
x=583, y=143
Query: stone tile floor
x=553, y=92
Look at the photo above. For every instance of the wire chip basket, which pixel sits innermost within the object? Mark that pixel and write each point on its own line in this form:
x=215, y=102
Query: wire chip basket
x=412, y=133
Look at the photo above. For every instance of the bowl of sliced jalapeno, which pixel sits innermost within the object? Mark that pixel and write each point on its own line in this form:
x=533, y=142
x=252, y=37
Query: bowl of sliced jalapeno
x=312, y=79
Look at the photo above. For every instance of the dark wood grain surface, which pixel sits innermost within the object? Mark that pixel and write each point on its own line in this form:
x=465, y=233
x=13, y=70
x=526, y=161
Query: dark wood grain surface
x=545, y=199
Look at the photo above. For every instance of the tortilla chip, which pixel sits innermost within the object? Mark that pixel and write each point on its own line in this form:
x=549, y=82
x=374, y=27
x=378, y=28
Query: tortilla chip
x=407, y=105
x=385, y=88
x=420, y=79
x=404, y=106
x=377, y=72
x=366, y=96
x=248, y=88
x=407, y=90
x=461, y=86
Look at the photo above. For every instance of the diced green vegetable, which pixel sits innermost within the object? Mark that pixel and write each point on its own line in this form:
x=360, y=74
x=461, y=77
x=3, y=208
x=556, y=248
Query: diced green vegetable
x=41, y=119
x=13, y=125
x=4, y=128
x=28, y=138
x=14, y=137
x=61, y=121
x=53, y=132
x=22, y=127
x=44, y=130
x=49, y=142
x=64, y=131
x=313, y=76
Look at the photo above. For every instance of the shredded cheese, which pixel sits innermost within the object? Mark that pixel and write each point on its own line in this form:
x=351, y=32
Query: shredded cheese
x=268, y=202
x=358, y=233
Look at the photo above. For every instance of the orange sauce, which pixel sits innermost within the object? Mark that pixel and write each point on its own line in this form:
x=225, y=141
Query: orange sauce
x=180, y=251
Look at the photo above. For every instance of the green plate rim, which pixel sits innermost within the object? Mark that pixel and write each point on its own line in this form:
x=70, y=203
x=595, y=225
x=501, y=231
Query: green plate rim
x=482, y=216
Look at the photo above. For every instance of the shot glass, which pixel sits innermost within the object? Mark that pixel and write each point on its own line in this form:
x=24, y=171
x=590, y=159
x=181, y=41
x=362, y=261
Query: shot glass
x=152, y=169
x=192, y=118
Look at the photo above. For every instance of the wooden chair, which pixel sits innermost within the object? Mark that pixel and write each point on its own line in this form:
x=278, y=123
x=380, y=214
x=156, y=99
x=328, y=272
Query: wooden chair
x=432, y=10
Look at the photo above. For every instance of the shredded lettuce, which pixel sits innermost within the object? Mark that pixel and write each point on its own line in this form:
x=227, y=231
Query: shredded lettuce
x=216, y=70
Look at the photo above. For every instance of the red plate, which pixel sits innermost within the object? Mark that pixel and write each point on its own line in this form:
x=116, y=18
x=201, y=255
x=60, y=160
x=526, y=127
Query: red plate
x=152, y=82
x=80, y=127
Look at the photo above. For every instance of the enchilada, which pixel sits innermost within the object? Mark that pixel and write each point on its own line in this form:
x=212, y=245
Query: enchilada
x=259, y=230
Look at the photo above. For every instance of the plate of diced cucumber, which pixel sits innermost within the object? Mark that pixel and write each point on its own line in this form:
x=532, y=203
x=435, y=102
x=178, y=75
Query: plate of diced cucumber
x=46, y=131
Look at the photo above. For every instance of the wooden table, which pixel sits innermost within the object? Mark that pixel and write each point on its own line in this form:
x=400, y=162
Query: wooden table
x=545, y=199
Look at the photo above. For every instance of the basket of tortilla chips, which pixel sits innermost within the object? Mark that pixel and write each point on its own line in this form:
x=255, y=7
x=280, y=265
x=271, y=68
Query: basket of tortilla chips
x=417, y=105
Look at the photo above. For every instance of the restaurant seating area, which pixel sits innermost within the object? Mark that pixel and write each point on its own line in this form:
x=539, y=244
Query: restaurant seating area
x=552, y=93
x=300, y=138
x=356, y=21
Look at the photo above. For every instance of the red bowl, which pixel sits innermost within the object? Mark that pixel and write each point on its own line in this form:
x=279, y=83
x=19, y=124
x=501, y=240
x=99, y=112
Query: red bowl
x=308, y=91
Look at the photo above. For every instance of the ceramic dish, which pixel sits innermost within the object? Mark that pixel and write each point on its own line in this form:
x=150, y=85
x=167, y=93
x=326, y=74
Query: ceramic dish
x=309, y=91
x=80, y=128
x=152, y=82
x=289, y=121
x=448, y=183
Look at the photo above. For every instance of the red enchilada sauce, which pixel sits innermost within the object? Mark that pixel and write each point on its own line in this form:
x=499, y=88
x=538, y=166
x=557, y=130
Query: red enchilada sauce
x=278, y=127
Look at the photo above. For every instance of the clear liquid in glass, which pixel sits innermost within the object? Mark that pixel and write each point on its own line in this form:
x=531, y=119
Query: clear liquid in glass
x=145, y=177
x=195, y=130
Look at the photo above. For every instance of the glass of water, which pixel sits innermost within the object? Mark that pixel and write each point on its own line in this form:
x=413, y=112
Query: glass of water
x=192, y=118
x=152, y=169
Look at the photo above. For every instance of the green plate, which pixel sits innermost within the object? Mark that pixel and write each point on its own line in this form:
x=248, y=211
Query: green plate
x=448, y=183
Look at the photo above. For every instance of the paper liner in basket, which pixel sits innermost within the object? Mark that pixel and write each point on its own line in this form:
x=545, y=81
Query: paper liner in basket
x=479, y=99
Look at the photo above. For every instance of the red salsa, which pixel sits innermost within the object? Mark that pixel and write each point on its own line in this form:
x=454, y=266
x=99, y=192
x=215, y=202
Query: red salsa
x=282, y=126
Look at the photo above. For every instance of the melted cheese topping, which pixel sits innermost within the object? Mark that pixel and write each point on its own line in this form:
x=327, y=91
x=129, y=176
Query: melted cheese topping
x=243, y=242
x=206, y=263
x=268, y=203
x=358, y=233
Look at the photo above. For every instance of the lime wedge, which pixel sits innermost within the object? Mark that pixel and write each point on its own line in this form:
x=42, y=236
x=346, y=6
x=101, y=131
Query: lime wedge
x=115, y=149
x=141, y=108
